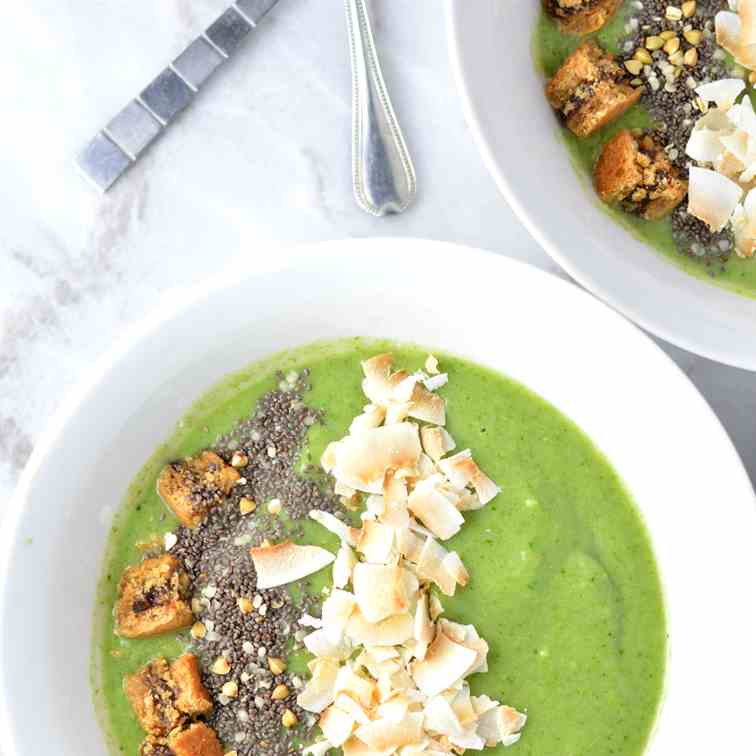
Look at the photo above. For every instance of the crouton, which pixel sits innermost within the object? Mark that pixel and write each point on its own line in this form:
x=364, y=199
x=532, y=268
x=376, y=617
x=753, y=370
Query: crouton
x=165, y=696
x=153, y=598
x=634, y=171
x=151, y=746
x=581, y=16
x=192, y=487
x=590, y=90
x=197, y=740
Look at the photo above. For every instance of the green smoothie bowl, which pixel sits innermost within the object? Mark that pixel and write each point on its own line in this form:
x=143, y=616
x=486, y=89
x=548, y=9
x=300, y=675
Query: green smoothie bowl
x=562, y=96
x=389, y=515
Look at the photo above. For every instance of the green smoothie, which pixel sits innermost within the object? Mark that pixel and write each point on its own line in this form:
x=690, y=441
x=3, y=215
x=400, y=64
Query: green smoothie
x=563, y=585
x=550, y=47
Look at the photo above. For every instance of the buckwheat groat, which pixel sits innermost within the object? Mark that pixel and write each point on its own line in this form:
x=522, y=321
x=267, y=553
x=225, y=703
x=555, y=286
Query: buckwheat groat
x=634, y=171
x=581, y=16
x=590, y=90
x=197, y=740
x=153, y=599
x=192, y=487
x=164, y=696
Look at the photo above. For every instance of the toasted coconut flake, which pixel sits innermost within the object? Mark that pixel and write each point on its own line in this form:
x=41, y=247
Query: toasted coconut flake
x=427, y=406
x=445, y=663
x=486, y=489
x=355, y=747
x=459, y=469
x=346, y=703
x=410, y=546
x=328, y=460
x=469, y=739
x=382, y=591
x=453, y=565
x=376, y=542
x=436, y=382
x=723, y=92
x=424, y=629
x=362, y=690
x=712, y=197
x=372, y=417
x=436, y=441
x=286, y=562
x=347, y=535
x=346, y=559
x=386, y=733
x=319, y=691
x=431, y=365
x=337, y=609
x=362, y=460
x=440, y=718
x=704, y=145
x=392, y=631
x=430, y=566
x=435, y=509
x=463, y=708
x=499, y=724
x=320, y=644
x=747, y=14
x=377, y=385
x=336, y=725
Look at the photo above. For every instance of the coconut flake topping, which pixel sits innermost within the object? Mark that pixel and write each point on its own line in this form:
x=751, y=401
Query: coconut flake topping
x=390, y=674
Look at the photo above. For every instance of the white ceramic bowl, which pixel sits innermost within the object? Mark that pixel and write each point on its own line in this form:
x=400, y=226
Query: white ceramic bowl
x=518, y=135
x=588, y=361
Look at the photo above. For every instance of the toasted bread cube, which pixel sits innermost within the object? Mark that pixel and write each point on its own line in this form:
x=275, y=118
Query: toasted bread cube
x=581, y=16
x=163, y=696
x=192, y=487
x=590, y=90
x=152, y=695
x=634, y=171
x=151, y=746
x=197, y=740
x=191, y=695
x=153, y=598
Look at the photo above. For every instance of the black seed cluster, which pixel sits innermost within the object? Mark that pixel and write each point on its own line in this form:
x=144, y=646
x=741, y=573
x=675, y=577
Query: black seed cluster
x=216, y=557
x=675, y=112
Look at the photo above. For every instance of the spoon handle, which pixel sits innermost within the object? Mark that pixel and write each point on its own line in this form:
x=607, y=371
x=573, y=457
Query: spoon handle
x=383, y=174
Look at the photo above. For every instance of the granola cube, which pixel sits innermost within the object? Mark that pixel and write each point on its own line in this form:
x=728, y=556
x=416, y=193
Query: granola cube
x=192, y=487
x=581, y=16
x=191, y=695
x=153, y=598
x=197, y=740
x=152, y=695
x=163, y=696
x=634, y=171
x=590, y=90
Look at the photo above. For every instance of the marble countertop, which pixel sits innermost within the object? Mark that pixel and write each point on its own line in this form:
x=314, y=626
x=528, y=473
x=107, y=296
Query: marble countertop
x=262, y=157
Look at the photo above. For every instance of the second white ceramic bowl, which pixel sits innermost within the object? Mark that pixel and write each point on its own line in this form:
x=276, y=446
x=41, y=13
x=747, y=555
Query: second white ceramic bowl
x=518, y=135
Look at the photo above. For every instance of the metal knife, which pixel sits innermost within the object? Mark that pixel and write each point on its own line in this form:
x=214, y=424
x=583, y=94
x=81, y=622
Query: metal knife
x=125, y=138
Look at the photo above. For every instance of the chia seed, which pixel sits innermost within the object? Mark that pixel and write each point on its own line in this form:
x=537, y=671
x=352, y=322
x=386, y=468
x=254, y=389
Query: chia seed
x=216, y=557
x=671, y=103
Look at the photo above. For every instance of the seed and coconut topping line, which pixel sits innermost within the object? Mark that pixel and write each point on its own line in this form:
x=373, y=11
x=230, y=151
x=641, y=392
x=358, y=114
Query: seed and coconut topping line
x=723, y=140
x=389, y=673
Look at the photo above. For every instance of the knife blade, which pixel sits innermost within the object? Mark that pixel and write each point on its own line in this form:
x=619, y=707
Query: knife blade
x=116, y=147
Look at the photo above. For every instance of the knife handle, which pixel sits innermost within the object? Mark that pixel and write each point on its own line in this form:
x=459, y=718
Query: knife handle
x=382, y=170
x=121, y=143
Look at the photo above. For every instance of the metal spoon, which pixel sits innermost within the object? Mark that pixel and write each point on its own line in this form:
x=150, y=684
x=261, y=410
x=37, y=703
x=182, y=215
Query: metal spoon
x=383, y=174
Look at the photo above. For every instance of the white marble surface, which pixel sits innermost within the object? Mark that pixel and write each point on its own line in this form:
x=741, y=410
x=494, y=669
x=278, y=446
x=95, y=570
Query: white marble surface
x=263, y=157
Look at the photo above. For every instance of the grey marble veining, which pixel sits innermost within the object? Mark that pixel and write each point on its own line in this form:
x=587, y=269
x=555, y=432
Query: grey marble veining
x=264, y=157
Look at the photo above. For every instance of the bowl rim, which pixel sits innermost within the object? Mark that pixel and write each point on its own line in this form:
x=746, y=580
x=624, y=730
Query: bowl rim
x=173, y=305
x=581, y=274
